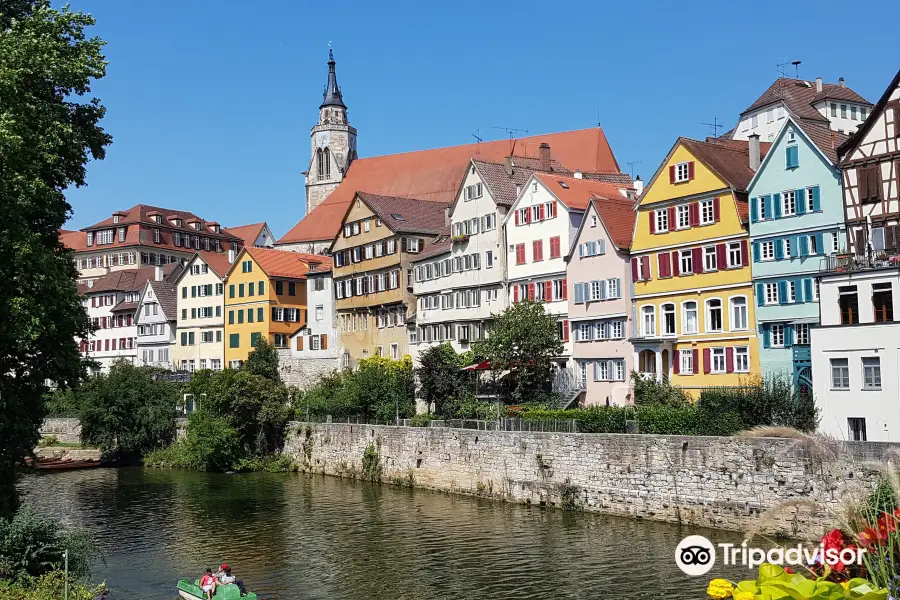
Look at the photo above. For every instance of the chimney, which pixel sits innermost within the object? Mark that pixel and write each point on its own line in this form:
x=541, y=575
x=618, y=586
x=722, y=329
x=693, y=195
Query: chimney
x=754, y=152
x=446, y=216
x=231, y=255
x=842, y=83
x=818, y=84
x=544, y=153
x=578, y=175
x=638, y=186
x=518, y=189
x=158, y=273
x=508, y=166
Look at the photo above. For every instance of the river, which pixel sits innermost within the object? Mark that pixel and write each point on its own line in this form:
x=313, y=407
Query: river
x=296, y=536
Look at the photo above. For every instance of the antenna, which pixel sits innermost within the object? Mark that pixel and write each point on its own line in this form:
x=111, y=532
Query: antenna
x=512, y=131
x=714, y=126
x=631, y=164
x=478, y=141
x=780, y=66
x=796, y=64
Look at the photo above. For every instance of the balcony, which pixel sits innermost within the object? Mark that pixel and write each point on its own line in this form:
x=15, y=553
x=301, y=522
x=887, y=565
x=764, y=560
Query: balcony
x=850, y=263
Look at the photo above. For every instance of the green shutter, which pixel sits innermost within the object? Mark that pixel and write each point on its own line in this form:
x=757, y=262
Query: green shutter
x=191, y=338
x=253, y=339
x=240, y=316
x=801, y=201
x=184, y=338
x=231, y=291
x=262, y=288
x=240, y=290
x=234, y=340
x=218, y=335
x=259, y=314
x=184, y=292
x=249, y=315
x=193, y=291
x=183, y=314
x=231, y=317
x=250, y=289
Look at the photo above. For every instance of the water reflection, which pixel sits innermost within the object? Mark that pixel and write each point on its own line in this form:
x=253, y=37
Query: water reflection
x=299, y=536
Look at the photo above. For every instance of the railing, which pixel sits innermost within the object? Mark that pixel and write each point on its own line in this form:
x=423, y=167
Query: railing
x=502, y=424
x=841, y=263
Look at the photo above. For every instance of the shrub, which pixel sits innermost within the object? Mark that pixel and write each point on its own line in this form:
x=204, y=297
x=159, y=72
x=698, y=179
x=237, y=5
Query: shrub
x=49, y=586
x=441, y=382
x=769, y=400
x=32, y=545
x=371, y=463
x=650, y=391
x=61, y=403
x=420, y=420
x=654, y=419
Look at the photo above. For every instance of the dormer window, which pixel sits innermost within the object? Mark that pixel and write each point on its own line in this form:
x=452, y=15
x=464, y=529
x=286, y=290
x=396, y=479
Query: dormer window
x=116, y=218
x=157, y=218
x=90, y=238
x=156, y=236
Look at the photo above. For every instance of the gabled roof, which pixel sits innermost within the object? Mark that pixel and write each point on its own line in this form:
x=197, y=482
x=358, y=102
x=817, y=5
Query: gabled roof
x=248, y=233
x=800, y=96
x=577, y=193
x=407, y=215
x=502, y=179
x=729, y=159
x=141, y=213
x=440, y=245
x=217, y=261
x=167, y=296
x=617, y=215
x=279, y=263
x=434, y=175
x=849, y=145
x=132, y=280
x=822, y=138
x=324, y=265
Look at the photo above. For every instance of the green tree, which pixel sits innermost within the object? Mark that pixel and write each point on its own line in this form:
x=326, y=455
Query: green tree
x=48, y=132
x=524, y=339
x=32, y=545
x=263, y=360
x=127, y=412
x=381, y=389
x=441, y=383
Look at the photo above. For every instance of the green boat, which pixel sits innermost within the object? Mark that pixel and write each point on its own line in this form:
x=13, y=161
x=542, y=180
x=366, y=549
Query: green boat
x=229, y=591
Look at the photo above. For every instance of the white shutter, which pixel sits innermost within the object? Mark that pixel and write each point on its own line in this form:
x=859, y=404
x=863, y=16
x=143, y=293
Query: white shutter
x=602, y=245
x=603, y=290
x=580, y=250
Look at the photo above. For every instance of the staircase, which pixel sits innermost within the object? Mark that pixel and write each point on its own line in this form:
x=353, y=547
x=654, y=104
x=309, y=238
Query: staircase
x=568, y=385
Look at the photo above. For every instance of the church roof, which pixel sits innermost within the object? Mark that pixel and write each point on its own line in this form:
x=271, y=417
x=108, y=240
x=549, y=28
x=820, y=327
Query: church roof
x=332, y=95
x=434, y=175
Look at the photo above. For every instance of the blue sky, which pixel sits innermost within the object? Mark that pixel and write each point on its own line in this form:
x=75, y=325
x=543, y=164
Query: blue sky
x=210, y=104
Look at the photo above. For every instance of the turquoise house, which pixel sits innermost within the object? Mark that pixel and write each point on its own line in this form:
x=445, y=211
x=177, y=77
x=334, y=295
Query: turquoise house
x=796, y=221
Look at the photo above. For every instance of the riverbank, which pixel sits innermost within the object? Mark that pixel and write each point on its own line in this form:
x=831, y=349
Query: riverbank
x=774, y=486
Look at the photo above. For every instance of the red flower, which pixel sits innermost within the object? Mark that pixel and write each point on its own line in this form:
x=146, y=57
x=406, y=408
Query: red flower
x=833, y=539
x=789, y=570
x=868, y=538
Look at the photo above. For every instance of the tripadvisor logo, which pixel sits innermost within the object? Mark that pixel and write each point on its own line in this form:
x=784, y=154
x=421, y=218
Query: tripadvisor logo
x=695, y=555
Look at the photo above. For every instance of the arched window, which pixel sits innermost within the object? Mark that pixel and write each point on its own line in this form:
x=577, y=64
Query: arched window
x=668, y=319
x=647, y=361
x=713, y=315
x=689, y=317
x=648, y=321
x=327, y=164
x=320, y=164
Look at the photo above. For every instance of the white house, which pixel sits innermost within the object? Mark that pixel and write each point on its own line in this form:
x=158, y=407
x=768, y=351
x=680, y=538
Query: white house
x=155, y=319
x=255, y=234
x=315, y=350
x=200, y=326
x=111, y=301
x=540, y=229
x=856, y=354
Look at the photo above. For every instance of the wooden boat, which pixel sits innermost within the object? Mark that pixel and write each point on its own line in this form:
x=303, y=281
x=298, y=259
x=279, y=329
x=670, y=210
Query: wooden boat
x=192, y=591
x=57, y=464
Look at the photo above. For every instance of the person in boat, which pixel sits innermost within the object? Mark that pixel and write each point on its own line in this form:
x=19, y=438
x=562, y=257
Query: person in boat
x=224, y=576
x=208, y=584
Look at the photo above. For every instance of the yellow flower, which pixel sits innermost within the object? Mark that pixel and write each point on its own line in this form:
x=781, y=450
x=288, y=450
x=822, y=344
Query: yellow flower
x=743, y=596
x=719, y=589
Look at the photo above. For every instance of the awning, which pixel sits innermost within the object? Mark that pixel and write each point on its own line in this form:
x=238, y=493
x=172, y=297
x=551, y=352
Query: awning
x=482, y=366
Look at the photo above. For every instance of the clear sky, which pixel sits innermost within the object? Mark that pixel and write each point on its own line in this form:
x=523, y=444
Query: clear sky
x=210, y=103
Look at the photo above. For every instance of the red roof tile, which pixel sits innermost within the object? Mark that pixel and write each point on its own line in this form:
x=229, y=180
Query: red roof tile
x=434, y=175
x=729, y=159
x=217, y=261
x=577, y=193
x=800, y=95
x=248, y=233
x=618, y=216
x=407, y=215
x=282, y=263
x=440, y=245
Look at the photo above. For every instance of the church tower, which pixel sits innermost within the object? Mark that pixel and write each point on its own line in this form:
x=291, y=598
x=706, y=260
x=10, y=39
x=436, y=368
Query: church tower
x=333, y=144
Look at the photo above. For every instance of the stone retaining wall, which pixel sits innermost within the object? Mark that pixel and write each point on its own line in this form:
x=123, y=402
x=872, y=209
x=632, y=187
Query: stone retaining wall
x=64, y=430
x=775, y=486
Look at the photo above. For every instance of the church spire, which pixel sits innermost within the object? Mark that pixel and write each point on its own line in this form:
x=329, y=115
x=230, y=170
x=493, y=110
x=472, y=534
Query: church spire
x=332, y=95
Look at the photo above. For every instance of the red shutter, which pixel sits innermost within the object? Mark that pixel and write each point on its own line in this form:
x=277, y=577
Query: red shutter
x=517, y=217
x=645, y=267
x=715, y=210
x=515, y=293
x=729, y=359
x=566, y=330
x=690, y=170
x=520, y=254
x=553, y=209
x=531, y=291
x=542, y=212
x=299, y=342
x=634, y=269
x=528, y=215
x=707, y=366
x=697, y=260
x=672, y=218
x=676, y=361
x=565, y=288
x=744, y=254
x=694, y=214
x=323, y=342
x=664, y=266
x=114, y=344
x=696, y=365
x=106, y=344
x=652, y=221
x=548, y=291
x=672, y=174
x=721, y=256
x=676, y=263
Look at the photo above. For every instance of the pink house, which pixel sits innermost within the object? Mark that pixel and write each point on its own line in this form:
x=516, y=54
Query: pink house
x=599, y=296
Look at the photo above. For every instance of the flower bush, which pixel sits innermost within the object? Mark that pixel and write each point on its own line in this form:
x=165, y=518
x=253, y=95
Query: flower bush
x=775, y=583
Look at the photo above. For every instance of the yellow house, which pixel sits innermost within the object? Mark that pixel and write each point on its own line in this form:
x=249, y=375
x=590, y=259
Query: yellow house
x=265, y=295
x=690, y=266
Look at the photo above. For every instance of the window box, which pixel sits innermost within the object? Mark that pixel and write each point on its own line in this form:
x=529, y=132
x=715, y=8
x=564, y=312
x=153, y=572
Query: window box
x=458, y=239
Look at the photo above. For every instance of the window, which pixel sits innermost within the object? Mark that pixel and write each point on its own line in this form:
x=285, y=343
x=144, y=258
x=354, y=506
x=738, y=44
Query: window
x=742, y=359
x=536, y=213
x=738, y=313
x=843, y=111
x=801, y=334
x=856, y=429
x=689, y=317
x=718, y=360
x=776, y=332
x=789, y=203
x=687, y=262
x=713, y=315
x=786, y=247
x=771, y=293
x=682, y=172
x=871, y=373
x=662, y=220
x=833, y=109
x=707, y=212
x=709, y=258
x=686, y=366
x=684, y=216
x=813, y=244
x=612, y=288
x=790, y=291
x=489, y=258
x=848, y=302
x=234, y=340
x=735, y=258
x=792, y=157
x=883, y=302
x=593, y=224
x=863, y=111
x=648, y=321
x=616, y=329
x=668, y=319
x=767, y=250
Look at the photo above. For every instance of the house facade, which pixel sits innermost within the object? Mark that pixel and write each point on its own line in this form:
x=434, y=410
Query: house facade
x=690, y=263
x=796, y=220
x=870, y=164
x=265, y=296
x=856, y=354
x=599, y=301
x=200, y=317
x=373, y=282
x=255, y=234
x=155, y=319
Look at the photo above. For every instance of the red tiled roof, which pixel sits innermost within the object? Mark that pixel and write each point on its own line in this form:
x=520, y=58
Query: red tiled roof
x=131, y=280
x=407, y=215
x=123, y=306
x=217, y=261
x=282, y=263
x=140, y=213
x=248, y=233
x=800, y=95
x=434, y=175
x=618, y=216
x=827, y=140
x=729, y=159
x=577, y=193
x=436, y=247
x=323, y=265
